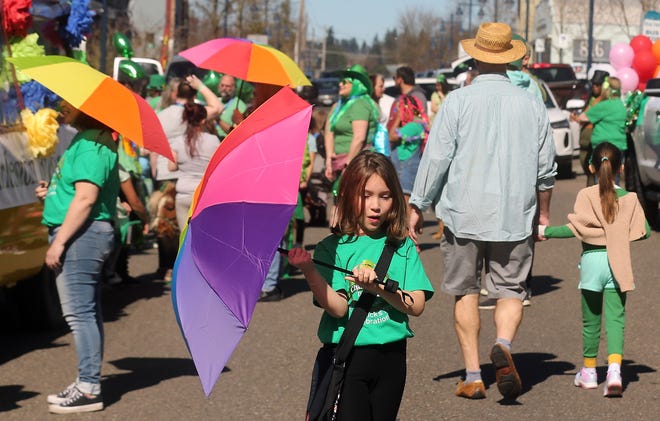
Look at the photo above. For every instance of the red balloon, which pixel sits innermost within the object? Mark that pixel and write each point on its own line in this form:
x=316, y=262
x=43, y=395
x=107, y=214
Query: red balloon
x=641, y=43
x=641, y=86
x=644, y=64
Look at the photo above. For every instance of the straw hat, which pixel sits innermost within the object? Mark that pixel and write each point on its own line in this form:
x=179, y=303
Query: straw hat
x=493, y=44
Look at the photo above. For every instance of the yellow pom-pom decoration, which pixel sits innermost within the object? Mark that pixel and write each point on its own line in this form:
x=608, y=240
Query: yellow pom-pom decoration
x=41, y=131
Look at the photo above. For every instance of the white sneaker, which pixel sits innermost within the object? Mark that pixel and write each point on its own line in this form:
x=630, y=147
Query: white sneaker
x=613, y=384
x=63, y=395
x=586, y=379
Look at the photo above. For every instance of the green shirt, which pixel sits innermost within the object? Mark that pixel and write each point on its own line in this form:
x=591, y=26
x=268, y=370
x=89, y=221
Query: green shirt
x=92, y=157
x=609, y=119
x=360, y=110
x=228, y=111
x=384, y=324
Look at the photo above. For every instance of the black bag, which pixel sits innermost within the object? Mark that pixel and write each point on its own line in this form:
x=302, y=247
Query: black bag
x=330, y=364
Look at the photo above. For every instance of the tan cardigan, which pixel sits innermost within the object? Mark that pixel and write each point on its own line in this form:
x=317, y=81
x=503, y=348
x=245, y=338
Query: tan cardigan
x=588, y=224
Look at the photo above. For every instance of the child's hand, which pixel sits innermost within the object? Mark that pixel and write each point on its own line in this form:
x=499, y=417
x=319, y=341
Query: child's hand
x=364, y=277
x=300, y=258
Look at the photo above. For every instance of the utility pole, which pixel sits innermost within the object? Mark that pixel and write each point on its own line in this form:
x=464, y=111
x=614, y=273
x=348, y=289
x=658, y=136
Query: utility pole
x=323, y=46
x=300, y=33
x=591, y=35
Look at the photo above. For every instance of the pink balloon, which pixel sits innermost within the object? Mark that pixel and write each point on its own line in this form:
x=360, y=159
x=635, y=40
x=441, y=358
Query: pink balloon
x=641, y=43
x=644, y=64
x=629, y=79
x=621, y=55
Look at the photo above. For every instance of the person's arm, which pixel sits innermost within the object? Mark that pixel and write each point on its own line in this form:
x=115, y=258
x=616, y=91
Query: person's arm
x=173, y=165
x=415, y=222
x=561, y=231
x=543, y=198
x=134, y=201
x=329, y=140
x=76, y=216
x=213, y=104
x=330, y=300
x=360, y=129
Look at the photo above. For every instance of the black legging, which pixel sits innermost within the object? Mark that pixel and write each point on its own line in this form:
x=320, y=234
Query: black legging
x=374, y=383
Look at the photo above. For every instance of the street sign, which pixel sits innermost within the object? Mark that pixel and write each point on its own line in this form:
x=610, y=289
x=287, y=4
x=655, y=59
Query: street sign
x=563, y=41
x=651, y=25
x=600, y=52
x=539, y=45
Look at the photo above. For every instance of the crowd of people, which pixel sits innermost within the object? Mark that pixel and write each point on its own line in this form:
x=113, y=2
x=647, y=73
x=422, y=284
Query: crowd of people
x=483, y=160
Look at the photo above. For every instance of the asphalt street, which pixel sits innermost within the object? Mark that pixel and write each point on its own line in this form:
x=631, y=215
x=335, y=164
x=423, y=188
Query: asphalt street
x=148, y=373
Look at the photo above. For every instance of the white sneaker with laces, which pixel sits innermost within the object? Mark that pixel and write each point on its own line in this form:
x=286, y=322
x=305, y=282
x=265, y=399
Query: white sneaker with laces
x=61, y=396
x=586, y=379
x=613, y=384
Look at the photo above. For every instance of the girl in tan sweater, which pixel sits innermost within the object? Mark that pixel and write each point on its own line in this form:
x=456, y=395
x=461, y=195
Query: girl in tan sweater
x=606, y=218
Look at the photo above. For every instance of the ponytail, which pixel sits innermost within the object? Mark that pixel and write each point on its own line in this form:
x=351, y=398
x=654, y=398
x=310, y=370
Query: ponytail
x=194, y=116
x=606, y=159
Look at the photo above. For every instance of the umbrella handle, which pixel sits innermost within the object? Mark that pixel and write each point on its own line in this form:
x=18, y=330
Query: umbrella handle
x=390, y=285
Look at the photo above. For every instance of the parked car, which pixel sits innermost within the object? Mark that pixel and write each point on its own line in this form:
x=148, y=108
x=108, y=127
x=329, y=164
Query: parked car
x=391, y=92
x=328, y=91
x=642, y=166
x=567, y=145
x=561, y=80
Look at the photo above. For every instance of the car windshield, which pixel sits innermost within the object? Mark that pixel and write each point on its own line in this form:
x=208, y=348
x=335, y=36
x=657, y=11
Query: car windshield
x=549, y=103
x=327, y=85
x=554, y=74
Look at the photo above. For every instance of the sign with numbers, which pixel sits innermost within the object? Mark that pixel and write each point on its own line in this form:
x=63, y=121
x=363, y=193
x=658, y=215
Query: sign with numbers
x=600, y=52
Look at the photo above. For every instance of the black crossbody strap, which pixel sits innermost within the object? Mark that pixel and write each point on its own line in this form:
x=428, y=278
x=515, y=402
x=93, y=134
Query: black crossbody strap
x=362, y=307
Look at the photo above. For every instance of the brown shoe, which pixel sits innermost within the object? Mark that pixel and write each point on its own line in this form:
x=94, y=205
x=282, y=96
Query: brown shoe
x=474, y=390
x=506, y=376
x=441, y=228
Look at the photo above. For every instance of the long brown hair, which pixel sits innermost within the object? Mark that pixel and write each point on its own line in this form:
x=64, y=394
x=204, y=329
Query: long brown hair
x=194, y=115
x=350, y=205
x=606, y=159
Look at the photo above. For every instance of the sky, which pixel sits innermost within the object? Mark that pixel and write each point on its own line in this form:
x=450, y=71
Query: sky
x=363, y=19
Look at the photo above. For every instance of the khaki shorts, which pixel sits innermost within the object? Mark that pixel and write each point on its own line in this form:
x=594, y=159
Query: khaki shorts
x=507, y=266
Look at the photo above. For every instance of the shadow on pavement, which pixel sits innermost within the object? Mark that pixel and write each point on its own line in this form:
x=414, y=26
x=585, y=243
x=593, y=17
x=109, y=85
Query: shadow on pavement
x=117, y=297
x=10, y=395
x=19, y=341
x=544, y=284
x=142, y=373
x=533, y=367
x=630, y=372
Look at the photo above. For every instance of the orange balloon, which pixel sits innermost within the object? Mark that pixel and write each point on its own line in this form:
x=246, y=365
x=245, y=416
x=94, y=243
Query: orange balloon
x=656, y=50
x=656, y=74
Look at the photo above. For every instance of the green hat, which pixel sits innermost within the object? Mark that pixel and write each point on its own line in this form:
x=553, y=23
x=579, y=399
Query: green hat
x=518, y=63
x=358, y=72
x=440, y=78
x=156, y=82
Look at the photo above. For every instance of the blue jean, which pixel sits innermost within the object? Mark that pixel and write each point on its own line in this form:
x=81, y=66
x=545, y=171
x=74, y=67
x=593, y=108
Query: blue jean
x=406, y=170
x=273, y=275
x=79, y=289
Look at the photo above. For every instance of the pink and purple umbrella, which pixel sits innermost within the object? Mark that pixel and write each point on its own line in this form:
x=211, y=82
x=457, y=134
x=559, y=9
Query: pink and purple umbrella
x=240, y=212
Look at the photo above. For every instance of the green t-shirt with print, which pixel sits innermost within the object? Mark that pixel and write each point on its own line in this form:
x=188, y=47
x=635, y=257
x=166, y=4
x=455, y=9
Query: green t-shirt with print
x=359, y=110
x=384, y=324
x=609, y=119
x=92, y=157
x=227, y=112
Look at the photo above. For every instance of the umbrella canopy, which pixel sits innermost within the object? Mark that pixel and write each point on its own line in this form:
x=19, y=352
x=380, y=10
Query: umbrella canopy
x=98, y=96
x=238, y=216
x=247, y=60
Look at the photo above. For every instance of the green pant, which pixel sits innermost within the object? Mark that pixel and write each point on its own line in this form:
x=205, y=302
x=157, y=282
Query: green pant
x=613, y=302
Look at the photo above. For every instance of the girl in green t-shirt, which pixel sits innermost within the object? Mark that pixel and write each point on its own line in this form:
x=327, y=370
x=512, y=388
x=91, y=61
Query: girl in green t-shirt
x=370, y=211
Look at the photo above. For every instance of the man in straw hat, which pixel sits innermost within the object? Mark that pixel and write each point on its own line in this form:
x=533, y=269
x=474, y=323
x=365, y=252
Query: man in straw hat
x=490, y=159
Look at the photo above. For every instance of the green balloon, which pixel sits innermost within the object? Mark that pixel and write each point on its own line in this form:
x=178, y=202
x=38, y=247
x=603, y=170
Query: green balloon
x=123, y=45
x=212, y=81
x=131, y=69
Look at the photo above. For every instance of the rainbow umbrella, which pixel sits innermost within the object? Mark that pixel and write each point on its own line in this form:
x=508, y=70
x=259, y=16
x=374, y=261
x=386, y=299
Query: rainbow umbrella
x=247, y=60
x=99, y=96
x=239, y=213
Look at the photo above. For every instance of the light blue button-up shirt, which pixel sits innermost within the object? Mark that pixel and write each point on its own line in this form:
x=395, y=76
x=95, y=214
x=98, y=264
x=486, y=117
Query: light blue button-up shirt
x=489, y=150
